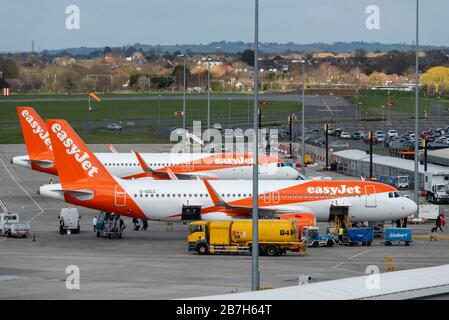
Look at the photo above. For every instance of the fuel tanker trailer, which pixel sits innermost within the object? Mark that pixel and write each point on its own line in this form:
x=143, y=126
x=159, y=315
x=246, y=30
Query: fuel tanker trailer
x=276, y=237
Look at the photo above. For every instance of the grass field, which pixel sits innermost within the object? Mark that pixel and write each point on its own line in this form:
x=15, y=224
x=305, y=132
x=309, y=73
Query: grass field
x=371, y=102
x=76, y=111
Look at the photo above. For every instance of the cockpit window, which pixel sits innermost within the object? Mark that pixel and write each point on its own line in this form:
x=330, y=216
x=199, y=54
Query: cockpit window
x=394, y=195
x=301, y=177
x=281, y=164
x=195, y=228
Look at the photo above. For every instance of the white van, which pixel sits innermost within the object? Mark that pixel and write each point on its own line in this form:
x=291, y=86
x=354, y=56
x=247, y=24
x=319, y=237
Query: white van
x=71, y=219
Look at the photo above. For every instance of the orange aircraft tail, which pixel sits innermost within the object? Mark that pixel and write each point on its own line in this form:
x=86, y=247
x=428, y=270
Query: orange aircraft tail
x=73, y=158
x=35, y=134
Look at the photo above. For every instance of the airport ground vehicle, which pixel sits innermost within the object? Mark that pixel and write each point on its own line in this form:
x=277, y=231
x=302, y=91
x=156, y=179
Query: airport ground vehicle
x=235, y=236
x=71, y=219
x=436, y=185
x=354, y=236
x=300, y=219
x=312, y=237
x=109, y=225
x=400, y=182
x=10, y=226
x=398, y=235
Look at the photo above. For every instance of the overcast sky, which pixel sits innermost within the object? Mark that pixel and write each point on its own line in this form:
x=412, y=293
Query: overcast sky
x=116, y=23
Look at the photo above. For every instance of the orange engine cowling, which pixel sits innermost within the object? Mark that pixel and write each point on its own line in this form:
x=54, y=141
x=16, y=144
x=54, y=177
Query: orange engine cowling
x=301, y=220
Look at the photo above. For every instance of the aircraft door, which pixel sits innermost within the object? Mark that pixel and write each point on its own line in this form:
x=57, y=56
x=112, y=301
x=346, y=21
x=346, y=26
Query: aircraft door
x=370, y=196
x=119, y=196
x=187, y=167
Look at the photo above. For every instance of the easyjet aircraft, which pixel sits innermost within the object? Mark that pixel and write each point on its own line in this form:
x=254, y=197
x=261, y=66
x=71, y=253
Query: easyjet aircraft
x=127, y=165
x=86, y=182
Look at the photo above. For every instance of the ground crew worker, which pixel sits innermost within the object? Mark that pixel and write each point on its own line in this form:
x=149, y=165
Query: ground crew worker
x=51, y=181
x=61, y=225
x=94, y=223
x=340, y=234
x=144, y=224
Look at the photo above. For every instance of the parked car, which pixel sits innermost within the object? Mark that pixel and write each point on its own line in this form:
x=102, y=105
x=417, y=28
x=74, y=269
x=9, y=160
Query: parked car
x=337, y=132
x=392, y=134
x=114, y=127
x=379, y=136
x=345, y=135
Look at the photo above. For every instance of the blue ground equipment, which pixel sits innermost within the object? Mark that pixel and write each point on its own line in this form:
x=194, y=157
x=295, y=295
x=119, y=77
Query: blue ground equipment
x=311, y=235
x=354, y=236
x=398, y=234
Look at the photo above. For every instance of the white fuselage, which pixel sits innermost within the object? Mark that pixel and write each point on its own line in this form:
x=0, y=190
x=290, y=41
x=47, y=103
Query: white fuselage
x=202, y=164
x=163, y=200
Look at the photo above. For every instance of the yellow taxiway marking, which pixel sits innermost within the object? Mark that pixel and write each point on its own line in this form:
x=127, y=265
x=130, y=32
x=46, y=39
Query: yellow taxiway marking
x=422, y=236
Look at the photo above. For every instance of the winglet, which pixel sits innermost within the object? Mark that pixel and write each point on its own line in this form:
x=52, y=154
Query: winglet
x=215, y=197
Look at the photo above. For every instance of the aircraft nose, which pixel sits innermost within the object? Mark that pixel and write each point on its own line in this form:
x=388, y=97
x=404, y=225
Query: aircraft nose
x=411, y=207
x=292, y=173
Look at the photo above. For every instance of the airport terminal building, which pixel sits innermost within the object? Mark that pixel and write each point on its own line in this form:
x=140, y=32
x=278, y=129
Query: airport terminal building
x=356, y=163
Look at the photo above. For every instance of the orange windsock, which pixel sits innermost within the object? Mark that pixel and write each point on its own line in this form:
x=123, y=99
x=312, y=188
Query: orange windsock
x=94, y=96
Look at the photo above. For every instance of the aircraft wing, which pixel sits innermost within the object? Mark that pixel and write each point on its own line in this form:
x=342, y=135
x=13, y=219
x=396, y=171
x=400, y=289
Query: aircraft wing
x=265, y=211
x=168, y=174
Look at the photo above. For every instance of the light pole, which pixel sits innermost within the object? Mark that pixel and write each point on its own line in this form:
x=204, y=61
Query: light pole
x=416, y=184
x=184, y=97
x=438, y=115
x=159, y=113
x=255, y=276
x=248, y=104
x=388, y=108
x=229, y=110
x=303, y=169
x=183, y=91
x=208, y=92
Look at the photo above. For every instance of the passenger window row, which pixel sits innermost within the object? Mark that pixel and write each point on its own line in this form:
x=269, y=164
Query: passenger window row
x=158, y=164
x=244, y=195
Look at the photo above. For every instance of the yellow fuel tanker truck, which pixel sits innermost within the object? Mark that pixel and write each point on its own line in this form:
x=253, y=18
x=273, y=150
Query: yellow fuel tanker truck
x=235, y=236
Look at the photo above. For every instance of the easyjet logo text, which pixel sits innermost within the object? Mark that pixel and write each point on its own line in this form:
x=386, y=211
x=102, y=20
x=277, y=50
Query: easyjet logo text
x=342, y=189
x=233, y=161
x=74, y=150
x=37, y=129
